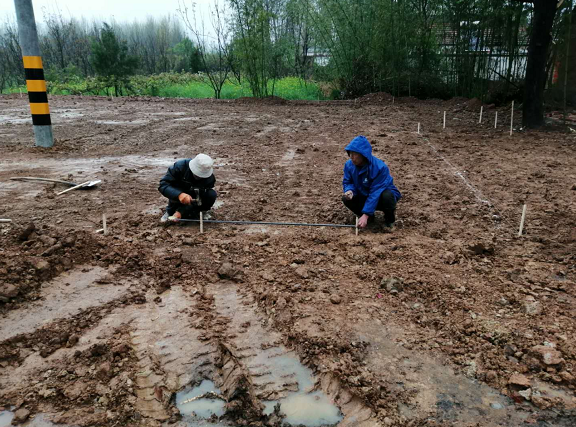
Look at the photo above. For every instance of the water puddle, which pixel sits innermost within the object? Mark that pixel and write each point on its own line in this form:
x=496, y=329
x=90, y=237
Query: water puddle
x=6, y=418
x=202, y=401
x=305, y=406
x=37, y=421
x=313, y=410
x=122, y=122
x=14, y=120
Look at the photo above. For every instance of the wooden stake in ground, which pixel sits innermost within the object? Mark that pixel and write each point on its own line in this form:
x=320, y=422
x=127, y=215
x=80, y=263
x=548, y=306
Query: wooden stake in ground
x=444, y=125
x=201, y=222
x=5, y=220
x=418, y=128
x=496, y=120
x=104, y=228
x=481, y=111
x=512, y=118
x=522, y=221
x=356, y=226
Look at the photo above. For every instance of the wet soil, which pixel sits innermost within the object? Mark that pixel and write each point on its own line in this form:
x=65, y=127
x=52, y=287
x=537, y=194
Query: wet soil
x=451, y=319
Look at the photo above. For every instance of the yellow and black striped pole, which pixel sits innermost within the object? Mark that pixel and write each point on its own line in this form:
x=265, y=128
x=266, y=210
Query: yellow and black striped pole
x=35, y=82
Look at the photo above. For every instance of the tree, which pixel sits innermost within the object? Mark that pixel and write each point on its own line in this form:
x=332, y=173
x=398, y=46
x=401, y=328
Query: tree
x=535, y=81
x=187, y=56
x=111, y=60
x=215, y=57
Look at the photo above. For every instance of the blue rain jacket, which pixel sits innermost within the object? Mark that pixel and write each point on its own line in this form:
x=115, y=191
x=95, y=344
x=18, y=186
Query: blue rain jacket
x=369, y=180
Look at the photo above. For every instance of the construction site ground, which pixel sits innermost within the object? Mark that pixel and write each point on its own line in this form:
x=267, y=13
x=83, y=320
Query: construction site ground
x=451, y=319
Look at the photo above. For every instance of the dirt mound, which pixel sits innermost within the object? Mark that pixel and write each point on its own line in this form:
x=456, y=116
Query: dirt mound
x=33, y=255
x=376, y=98
x=269, y=100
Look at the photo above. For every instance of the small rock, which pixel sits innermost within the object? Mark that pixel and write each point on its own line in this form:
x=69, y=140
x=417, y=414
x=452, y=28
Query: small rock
x=531, y=306
x=566, y=376
x=52, y=249
x=69, y=241
x=526, y=394
x=103, y=371
x=20, y=416
x=335, y=299
x=40, y=265
x=26, y=232
x=496, y=405
x=547, y=355
x=519, y=380
x=392, y=283
x=267, y=276
x=491, y=376
x=388, y=421
x=8, y=291
x=302, y=272
x=281, y=303
x=121, y=348
x=227, y=271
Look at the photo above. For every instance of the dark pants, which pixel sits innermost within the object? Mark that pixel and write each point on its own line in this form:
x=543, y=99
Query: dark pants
x=207, y=198
x=386, y=203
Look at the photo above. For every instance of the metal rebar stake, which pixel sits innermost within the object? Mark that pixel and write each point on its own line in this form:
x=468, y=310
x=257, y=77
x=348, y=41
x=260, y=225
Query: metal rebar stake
x=297, y=224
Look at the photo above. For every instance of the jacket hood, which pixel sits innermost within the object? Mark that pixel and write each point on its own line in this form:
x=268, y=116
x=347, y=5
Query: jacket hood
x=361, y=145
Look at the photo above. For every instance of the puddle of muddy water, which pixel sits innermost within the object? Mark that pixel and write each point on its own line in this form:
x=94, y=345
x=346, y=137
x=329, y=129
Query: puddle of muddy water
x=301, y=407
x=121, y=122
x=189, y=404
x=6, y=418
x=37, y=421
x=312, y=410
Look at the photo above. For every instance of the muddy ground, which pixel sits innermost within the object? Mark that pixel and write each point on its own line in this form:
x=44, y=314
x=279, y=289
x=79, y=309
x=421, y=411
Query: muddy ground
x=449, y=320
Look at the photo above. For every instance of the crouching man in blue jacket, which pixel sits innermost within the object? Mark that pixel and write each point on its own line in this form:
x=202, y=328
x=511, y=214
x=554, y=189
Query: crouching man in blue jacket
x=189, y=187
x=368, y=185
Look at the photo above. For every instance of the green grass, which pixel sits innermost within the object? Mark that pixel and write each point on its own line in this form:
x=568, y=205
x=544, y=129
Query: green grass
x=287, y=88
x=291, y=88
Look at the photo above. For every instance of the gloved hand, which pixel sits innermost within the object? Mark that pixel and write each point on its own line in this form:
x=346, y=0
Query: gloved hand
x=185, y=199
x=349, y=195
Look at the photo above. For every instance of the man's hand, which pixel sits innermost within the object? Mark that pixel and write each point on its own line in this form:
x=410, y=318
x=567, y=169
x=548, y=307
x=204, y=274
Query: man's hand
x=363, y=221
x=185, y=199
x=348, y=195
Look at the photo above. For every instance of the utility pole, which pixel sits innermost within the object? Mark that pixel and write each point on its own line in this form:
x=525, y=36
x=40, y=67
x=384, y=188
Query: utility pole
x=35, y=82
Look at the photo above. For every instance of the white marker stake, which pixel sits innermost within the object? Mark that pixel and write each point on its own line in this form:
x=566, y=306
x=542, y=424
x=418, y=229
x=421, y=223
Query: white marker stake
x=418, y=128
x=104, y=228
x=522, y=221
x=444, y=126
x=392, y=100
x=496, y=120
x=5, y=220
x=20, y=92
x=481, y=111
x=512, y=118
x=201, y=222
x=356, y=225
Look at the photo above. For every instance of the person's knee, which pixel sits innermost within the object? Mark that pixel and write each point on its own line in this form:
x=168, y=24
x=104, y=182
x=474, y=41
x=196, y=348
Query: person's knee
x=388, y=200
x=208, y=199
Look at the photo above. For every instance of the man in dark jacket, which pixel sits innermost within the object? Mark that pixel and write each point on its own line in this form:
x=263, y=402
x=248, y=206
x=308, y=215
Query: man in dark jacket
x=368, y=185
x=189, y=187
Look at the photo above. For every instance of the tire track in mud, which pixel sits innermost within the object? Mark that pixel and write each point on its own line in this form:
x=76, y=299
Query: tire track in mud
x=171, y=352
x=275, y=371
